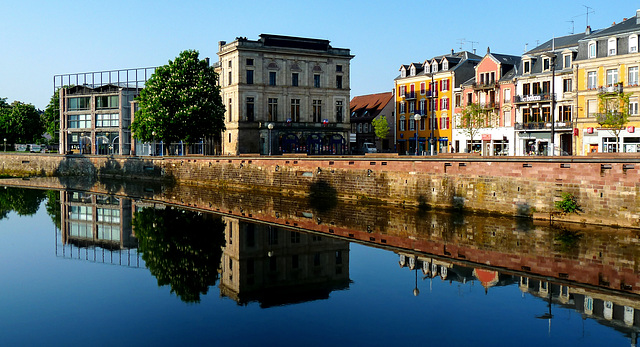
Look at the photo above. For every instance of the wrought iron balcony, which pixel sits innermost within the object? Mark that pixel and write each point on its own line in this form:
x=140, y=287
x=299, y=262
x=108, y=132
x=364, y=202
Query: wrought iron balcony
x=410, y=95
x=533, y=98
x=544, y=126
x=614, y=89
x=485, y=85
x=489, y=105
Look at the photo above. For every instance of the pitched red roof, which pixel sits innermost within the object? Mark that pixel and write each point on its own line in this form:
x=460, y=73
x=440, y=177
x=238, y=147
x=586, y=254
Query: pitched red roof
x=372, y=103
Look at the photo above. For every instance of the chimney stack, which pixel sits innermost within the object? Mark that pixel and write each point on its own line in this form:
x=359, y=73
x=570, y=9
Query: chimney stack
x=638, y=16
x=588, y=31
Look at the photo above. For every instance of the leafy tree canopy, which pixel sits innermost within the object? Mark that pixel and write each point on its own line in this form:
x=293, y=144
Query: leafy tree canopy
x=20, y=123
x=380, y=127
x=181, y=249
x=475, y=117
x=613, y=112
x=51, y=117
x=24, y=202
x=181, y=101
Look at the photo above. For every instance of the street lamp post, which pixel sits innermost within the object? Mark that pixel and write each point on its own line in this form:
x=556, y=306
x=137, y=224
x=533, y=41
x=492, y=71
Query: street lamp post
x=5, y=144
x=552, y=56
x=154, y=142
x=81, y=136
x=270, y=127
x=416, y=118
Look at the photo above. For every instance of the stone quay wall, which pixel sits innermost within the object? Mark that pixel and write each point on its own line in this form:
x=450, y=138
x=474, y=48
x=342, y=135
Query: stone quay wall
x=607, y=188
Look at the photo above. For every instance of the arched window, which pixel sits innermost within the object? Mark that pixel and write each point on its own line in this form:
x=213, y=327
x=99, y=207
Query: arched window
x=592, y=49
x=633, y=43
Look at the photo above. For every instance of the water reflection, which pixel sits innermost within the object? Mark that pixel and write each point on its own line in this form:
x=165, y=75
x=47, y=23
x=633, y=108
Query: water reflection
x=277, y=251
x=181, y=248
x=24, y=202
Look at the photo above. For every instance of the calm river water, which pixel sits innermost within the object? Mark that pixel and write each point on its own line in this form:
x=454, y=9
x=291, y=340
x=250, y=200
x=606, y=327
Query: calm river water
x=90, y=268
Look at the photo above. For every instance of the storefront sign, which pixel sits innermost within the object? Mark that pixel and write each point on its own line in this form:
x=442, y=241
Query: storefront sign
x=486, y=137
x=576, y=131
x=631, y=129
x=589, y=130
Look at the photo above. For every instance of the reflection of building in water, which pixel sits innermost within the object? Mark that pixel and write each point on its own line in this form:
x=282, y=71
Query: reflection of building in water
x=276, y=266
x=619, y=312
x=97, y=228
x=447, y=271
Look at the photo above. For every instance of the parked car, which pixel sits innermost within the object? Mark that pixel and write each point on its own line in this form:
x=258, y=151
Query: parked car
x=369, y=147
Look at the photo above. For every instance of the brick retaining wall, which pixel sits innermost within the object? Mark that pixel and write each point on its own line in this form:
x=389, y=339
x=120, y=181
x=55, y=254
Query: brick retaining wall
x=607, y=188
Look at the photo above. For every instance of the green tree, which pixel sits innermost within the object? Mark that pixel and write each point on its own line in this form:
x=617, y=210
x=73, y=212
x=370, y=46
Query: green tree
x=24, y=202
x=380, y=127
x=181, y=101
x=21, y=123
x=51, y=117
x=613, y=113
x=181, y=249
x=475, y=117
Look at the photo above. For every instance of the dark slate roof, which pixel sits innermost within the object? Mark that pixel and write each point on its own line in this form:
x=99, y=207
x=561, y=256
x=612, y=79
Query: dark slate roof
x=558, y=43
x=626, y=26
x=506, y=59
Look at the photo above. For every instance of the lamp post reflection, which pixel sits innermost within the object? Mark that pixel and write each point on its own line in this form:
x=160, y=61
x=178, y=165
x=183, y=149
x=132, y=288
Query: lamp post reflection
x=270, y=127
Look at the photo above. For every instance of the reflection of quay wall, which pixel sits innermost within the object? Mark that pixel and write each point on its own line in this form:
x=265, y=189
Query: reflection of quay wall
x=276, y=266
x=601, y=257
x=607, y=188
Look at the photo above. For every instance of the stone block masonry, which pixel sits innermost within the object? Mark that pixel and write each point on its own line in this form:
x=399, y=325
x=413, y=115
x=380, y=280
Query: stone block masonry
x=607, y=189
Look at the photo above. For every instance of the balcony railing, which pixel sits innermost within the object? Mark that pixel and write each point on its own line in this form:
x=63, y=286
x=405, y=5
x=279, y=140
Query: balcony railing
x=611, y=118
x=616, y=88
x=410, y=95
x=543, y=126
x=533, y=98
x=485, y=85
x=490, y=104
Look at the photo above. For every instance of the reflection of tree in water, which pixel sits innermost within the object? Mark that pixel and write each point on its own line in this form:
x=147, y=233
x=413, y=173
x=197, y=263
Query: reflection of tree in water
x=24, y=202
x=53, y=206
x=181, y=249
x=322, y=196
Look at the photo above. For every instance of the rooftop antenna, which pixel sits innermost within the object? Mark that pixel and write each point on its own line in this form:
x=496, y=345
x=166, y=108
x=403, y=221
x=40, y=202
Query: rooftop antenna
x=586, y=13
x=572, y=26
x=461, y=41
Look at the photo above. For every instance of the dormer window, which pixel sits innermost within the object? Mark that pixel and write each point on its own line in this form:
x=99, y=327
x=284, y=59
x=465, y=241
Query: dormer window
x=566, y=61
x=633, y=43
x=527, y=66
x=612, y=46
x=546, y=64
x=426, y=68
x=403, y=72
x=413, y=71
x=592, y=49
x=434, y=67
x=445, y=65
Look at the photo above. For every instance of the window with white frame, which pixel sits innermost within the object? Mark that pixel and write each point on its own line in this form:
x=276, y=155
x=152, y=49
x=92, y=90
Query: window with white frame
x=612, y=48
x=434, y=67
x=633, y=43
x=445, y=103
x=507, y=95
x=592, y=49
x=423, y=105
x=403, y=72
x=107, y=120
x=566, y=59
x=79, y=121
x=445, y=65
x=507, y=118
x=426, y=68
x=633, y=106
x=412, y=106
x=412, y=72
x=412, y=124
x=592, y=79
x=444, y=121
x=402, y=91
x=632, y=78
x=527, y=66
x=612, y=77
x=546, y=64
x=592, y=108
x=402, y=123
x=423, y=88
x=403, y=106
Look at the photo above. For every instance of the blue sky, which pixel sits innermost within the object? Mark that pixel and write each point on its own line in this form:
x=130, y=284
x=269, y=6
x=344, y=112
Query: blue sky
x=43, y=38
